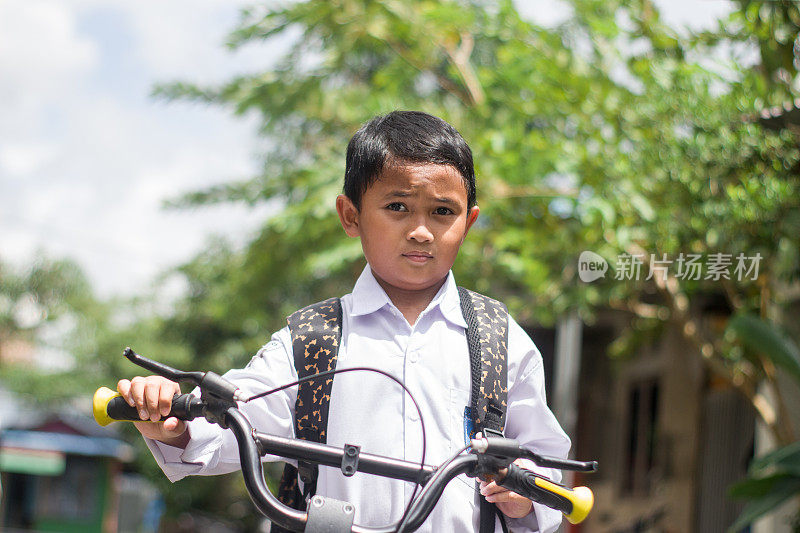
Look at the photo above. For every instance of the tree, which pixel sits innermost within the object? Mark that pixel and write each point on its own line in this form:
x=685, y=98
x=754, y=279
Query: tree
x=51, y=323
x=48, y=306
x=44, y=308
x=611, y=133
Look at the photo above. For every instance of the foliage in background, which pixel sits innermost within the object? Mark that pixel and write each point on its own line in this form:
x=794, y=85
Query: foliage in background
x=45, y=308
x=59, y=342
x=611, y=132
x=55, y=331
x=773, y=478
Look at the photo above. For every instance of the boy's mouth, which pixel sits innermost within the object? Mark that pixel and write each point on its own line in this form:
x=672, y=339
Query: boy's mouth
x=418, y=256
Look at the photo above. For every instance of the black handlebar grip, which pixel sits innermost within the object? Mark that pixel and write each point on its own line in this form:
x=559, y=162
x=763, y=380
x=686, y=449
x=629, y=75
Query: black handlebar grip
x=108, y=406
x=574, y=503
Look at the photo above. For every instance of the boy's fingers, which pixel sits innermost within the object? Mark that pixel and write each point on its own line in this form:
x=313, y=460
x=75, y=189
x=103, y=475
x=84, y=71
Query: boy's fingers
x=137, y=392
x=491, y=488
x=499, y=497
x=165, y=399
x=175, y=426
x=152, y=398
x=124, y=388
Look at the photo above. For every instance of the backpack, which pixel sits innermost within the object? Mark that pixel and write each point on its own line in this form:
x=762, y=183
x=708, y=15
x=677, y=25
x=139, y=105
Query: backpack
x=316, y=331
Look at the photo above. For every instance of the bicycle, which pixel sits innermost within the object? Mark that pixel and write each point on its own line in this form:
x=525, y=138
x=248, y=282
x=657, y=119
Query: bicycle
x=490, y=456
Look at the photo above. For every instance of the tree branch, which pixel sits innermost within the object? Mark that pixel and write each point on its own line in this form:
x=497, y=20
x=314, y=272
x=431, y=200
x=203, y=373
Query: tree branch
x=460, y=58
x=678, y=302
x=501, y=189
x=445, y=83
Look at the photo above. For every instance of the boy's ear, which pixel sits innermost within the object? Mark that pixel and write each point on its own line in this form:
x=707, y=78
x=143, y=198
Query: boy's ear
x=472, y=216
x=348, y=216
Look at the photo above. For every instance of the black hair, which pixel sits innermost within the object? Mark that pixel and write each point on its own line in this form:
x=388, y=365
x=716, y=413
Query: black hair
x=408, y=136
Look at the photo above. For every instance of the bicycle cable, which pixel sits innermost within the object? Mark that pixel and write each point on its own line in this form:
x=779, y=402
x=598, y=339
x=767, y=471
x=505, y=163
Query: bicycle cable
x=377, y=371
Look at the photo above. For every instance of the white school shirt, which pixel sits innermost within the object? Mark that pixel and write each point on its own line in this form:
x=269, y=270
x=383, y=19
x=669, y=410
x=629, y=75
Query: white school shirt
x=432, y=359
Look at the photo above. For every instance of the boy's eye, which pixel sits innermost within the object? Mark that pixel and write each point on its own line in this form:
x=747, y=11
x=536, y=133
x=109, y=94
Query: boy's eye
x=396, y=206
x=443, y=211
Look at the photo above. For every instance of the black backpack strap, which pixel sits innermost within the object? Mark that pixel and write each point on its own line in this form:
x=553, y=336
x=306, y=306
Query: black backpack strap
x=316, y=331
x=487, y=338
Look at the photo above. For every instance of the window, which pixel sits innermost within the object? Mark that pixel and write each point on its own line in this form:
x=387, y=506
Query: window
x=642, y=437
x=72, y=495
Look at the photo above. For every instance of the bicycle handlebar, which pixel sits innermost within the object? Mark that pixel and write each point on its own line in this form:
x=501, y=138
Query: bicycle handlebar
x=574, y=503
x=109, y=406
x=489, y=455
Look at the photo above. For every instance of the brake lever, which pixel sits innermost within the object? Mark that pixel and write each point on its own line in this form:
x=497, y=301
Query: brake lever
x=561, y=464
x=217, y=392
x=501, y=447
x=172, y=374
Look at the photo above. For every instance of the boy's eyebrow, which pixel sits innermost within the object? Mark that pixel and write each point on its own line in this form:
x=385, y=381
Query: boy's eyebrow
x=406, y=194
x=445, y=200
x=397, y=194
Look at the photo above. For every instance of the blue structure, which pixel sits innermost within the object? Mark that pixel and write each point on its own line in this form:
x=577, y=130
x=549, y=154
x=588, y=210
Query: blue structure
x=62, y=475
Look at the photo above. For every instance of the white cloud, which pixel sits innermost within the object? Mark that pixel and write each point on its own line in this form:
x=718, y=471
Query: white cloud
x=19, y=159
x=39, y=41
x=86, y=157
x=547, y=13
x=42, y=55
x=693, y=14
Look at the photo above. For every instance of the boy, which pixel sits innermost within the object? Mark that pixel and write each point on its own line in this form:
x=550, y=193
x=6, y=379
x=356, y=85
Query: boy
x=409, y=195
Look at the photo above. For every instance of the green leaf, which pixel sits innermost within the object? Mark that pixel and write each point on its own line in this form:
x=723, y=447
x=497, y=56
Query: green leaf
x=765, y=338
x=643, y=207
x=785, y=459
x=780, y=491
x=756, y=487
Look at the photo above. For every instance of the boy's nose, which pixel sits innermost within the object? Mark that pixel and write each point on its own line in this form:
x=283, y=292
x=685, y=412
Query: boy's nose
x=420, y=233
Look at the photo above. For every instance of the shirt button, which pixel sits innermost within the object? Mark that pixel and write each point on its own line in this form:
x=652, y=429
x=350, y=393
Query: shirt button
x=414, y=357
x=412, y=415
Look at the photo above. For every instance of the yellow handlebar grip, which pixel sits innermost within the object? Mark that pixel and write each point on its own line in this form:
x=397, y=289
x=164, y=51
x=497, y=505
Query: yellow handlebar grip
x=102, y=396
x=581, y=498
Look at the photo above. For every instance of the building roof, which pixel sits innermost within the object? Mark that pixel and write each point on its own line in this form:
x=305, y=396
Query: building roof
x=47, y=441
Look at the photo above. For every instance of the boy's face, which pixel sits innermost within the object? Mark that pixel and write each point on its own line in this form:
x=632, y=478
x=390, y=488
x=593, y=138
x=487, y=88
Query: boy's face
x=412, y=221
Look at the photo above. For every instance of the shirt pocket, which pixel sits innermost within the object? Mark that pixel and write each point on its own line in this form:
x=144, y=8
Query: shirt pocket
x=459, y=400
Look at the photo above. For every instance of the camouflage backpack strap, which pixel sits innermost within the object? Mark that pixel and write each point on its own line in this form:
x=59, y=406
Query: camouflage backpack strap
x=487, y=338
x=316, y=331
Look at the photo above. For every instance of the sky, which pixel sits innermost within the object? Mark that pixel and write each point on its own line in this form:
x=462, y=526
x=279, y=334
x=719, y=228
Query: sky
x=88, y=156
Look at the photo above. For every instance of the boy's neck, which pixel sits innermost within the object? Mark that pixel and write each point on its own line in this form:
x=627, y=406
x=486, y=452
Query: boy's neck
x=410, y=303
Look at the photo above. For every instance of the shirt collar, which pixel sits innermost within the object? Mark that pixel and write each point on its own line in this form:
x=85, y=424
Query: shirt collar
x=369, y=296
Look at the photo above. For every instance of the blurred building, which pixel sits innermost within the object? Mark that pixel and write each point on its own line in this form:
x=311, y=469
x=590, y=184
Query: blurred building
x=60, y=475
x=65, y=474
x=670, y=437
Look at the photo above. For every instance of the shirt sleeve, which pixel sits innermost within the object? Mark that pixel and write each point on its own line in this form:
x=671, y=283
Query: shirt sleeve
x=530, y=421
x=212, y=450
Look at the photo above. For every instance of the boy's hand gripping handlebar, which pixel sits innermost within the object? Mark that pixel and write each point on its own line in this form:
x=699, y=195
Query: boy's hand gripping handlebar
x=109, y=406
x=500, y=451
x=217, y=394
x=490, y=456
